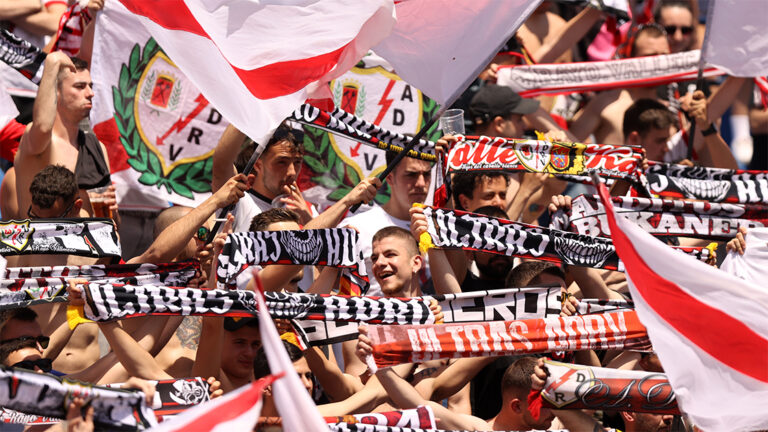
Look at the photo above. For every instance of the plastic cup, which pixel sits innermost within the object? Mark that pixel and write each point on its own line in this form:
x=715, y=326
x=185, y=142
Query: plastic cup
x=276, y=203
x=99, y=202
x=452, y=122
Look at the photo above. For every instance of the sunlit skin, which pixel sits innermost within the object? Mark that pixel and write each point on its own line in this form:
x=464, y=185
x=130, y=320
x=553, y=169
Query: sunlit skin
x=409, y=183
x=278, y=167
x=75, y=93
x=654, y=142
x=22, y=355
x=305, y=374
x=490, y=191
x=678, y=17
x=15, y=328
x=649, y=46
x=393, y=268
x=240, y=348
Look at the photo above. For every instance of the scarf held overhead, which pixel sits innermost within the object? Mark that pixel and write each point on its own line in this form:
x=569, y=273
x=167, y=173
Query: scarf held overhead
x=708, y=184
x=559, y=158
x=412, y=343
x=579, y=77
x=421, y=417
x=335, y=247
x=46, y=395
x=700, y=219
x=571, y=386
x=342, y=123
x=78, y=236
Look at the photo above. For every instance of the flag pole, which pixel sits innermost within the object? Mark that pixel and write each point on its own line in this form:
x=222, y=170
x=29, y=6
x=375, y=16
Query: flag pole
x=700, y=72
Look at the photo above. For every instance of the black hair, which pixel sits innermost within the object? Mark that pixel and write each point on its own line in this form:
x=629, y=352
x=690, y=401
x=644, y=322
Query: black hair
x=261, y=221
x=529, y=273
x=261, y=365
x=645, y=115
x=51, y=183
x=464, y=183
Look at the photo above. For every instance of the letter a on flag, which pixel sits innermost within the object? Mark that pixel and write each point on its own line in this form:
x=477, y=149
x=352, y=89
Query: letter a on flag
x=709, y=328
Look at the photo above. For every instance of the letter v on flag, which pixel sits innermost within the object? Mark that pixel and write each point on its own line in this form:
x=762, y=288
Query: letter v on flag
x=257, y=61
x=709, y=328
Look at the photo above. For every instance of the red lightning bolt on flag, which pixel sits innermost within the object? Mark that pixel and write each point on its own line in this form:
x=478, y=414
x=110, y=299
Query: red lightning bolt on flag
x=385, y=102
x=181, y=123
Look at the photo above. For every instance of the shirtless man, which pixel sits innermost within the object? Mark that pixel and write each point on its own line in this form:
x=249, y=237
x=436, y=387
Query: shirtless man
x=603, y=115
x=63, y=100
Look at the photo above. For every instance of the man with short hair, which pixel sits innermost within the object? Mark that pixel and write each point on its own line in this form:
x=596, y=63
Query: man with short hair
x=473, y=190
x=649, y=124
x=63, y=100
x=396, y=262
x=54, y=194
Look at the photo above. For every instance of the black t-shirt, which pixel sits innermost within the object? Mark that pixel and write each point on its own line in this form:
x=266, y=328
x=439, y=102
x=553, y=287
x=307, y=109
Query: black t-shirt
x=473, y=283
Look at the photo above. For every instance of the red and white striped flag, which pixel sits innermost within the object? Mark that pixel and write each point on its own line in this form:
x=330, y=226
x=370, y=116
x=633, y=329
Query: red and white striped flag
x=236, y=411
x=438, y=45
x=292, y=400
x=708, y=327
x=254, y=61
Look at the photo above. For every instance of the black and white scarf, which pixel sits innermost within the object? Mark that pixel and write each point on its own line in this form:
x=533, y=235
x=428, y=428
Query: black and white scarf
x=590, y=306
x=455, y=229
x=662, y=217
x=22, y=56
x=708, y=184
x=99, y=271
x=335, y=247
x=496, y=305
x=77, y=236
x=342, y=123
x=558, y=158
x=27, y=392
x=565, y=78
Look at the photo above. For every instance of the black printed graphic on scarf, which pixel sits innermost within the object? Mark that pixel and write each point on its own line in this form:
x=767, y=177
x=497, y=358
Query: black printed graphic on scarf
x=559, y=158
x=497, y=305
x=77, y=236
x=708, y=184
x=97, y=271
x=22, y=56
x=335, y=247
x=719, y=221
x=36, y=394
x=177, y=395
x=342, y=123
x=590, y=306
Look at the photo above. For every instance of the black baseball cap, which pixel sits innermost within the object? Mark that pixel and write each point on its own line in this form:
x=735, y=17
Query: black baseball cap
x=494, y=100
x=235, y=323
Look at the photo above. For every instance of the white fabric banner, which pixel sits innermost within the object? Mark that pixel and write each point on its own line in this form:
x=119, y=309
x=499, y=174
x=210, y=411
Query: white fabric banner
x=737, y=40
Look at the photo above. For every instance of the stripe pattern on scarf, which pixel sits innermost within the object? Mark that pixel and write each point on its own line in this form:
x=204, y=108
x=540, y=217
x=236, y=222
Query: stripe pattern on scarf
x=578, y=77
x=421, y=417
x=717, y=221
x=497, y=305
x=78, y=236
x=335, y=247
x=46, y=395
x=572, y=386
x=708, y=184
x=558, y=158
x=342, y=123
x=407, y=344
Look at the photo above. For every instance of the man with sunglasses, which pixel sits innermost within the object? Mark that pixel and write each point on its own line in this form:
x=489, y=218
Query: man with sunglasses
x=677, y=19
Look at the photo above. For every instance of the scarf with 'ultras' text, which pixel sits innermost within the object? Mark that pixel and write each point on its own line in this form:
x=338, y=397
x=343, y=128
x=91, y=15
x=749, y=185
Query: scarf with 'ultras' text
x=33, y=288
x=699, y=219
x=419, y=343
x=27, y=392
x=579, y=77
x=708, y=184
x=455, y=229
x=342, y=123
x=336, y=247
x=558, y=158
x=571, y=386
x=89, y=237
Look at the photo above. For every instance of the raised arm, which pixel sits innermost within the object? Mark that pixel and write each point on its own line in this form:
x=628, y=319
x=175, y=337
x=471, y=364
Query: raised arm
x=224, y=156
x=568, y=35
x=38, y=135
x=10, y=9
x=364, y=192
x=337, y=384
x=174, y=239
x=443, y=276
x=45, y=22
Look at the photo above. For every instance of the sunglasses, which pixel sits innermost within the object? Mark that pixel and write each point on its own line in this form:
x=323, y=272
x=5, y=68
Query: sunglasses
x=64, y=214
x=202, y=233
x=44, y=364
x=686, y=30
x=42, y=340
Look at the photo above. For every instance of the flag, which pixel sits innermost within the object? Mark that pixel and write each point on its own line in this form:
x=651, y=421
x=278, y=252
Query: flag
x=439, y=45
x=334, y=164
x=236, y=411
x=254, y=60
x=291, y=398
x=709, y=328
x=736, y=40
x=159, y=130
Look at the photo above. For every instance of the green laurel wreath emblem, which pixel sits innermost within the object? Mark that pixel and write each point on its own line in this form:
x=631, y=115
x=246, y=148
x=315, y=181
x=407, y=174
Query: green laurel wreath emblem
x=186, y=178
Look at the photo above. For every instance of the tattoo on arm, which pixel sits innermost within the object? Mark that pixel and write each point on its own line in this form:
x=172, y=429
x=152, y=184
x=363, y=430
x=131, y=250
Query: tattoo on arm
x=189, y=331
x=533, y=208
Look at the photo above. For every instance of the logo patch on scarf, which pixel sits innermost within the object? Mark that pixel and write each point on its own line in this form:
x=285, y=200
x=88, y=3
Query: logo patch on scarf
x=15, y=234
x=534, y=155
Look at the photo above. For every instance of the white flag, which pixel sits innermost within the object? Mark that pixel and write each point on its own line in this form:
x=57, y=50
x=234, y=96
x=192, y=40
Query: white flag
x=737, y=40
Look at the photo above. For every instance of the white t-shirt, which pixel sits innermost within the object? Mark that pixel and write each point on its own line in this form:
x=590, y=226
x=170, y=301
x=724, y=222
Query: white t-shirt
x=248, y=207
x=367, y=224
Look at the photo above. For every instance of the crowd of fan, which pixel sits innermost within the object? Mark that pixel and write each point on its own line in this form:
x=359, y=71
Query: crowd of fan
x=52, y=171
